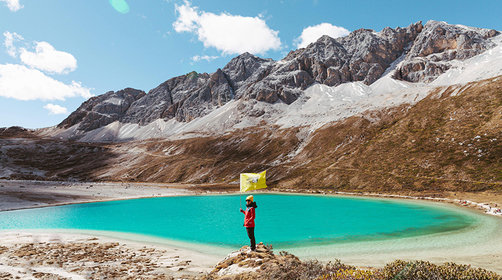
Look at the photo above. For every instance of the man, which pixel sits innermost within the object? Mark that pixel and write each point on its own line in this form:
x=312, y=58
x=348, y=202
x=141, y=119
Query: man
x=249, y=216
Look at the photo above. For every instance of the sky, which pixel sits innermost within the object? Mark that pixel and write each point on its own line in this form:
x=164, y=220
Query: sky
x=55, y=54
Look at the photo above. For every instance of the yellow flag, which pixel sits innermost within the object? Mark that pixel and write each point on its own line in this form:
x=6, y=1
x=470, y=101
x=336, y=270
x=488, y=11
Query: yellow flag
x=253, y=181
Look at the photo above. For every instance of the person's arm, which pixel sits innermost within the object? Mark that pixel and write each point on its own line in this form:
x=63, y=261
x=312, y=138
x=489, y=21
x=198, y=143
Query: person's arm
x=252, y=213
x=243, y=211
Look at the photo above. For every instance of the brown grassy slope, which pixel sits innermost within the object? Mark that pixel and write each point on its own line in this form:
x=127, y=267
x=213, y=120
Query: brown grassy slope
x=22, y=151
x=201, y=160
x=444, y=142
x=195, y=160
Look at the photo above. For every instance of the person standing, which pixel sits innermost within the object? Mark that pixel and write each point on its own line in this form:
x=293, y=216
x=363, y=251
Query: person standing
x=249, y=216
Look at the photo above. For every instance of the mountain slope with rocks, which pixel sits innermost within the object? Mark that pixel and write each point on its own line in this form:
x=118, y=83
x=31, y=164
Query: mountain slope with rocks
x=449, y=141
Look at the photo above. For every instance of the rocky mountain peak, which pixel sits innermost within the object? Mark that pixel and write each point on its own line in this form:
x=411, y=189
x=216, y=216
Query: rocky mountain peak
x=363, y=55
x=440, y=36
x=416, y=53
x=103, y=109
x=438, y=43
x=242, y=67
x=325, y=40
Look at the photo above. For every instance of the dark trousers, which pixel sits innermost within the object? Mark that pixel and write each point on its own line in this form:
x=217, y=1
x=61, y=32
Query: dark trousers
x=250, y=231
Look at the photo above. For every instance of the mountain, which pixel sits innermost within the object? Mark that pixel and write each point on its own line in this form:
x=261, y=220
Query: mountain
x=415, y=110
x=361, y=71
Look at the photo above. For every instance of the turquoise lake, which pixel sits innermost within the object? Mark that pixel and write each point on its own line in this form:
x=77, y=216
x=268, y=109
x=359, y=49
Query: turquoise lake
x=286, y=221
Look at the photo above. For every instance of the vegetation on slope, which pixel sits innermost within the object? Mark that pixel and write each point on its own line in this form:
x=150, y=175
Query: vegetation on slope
x=264, y=264
x=450, y=140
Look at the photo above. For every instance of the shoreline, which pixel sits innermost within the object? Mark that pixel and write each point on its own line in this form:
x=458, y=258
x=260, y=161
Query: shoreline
x=482, y=206
x=151, y=190
x=366, y=254
x=99, y=255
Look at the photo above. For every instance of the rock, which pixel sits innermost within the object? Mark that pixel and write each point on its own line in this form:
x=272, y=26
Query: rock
x=5, y=275
x=245, y=262
x=103, y=109
x=439, y=43
x=244, y=66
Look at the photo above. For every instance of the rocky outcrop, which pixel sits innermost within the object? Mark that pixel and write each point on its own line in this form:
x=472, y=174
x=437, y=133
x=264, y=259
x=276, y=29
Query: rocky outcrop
x=183, y=98
x=438, y=44
x=244, y=66
x=215, y=90
x=424, y=53
x=363, y=55
x=101, y=110
x=249, y=264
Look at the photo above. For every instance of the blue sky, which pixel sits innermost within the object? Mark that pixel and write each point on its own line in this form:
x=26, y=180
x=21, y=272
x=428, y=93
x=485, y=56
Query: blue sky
x=55, y=54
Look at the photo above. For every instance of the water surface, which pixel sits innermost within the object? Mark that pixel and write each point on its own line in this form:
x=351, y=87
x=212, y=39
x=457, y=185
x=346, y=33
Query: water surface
x=286, y=221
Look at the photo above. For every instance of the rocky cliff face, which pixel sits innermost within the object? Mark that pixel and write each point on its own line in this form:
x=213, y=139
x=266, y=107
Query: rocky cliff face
x=364, y=55
x=104, y=109
x=438, y=44
x=183, y=98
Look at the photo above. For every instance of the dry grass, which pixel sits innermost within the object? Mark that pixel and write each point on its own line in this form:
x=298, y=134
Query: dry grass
x=440, y=144
x=264, y=264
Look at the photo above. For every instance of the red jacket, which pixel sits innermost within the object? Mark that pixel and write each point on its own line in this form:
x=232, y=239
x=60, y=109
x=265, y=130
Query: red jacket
x=249, y=216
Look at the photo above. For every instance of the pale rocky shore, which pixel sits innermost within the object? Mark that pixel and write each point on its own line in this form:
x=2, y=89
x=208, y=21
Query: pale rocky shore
x=30, y=255
x=20, y=194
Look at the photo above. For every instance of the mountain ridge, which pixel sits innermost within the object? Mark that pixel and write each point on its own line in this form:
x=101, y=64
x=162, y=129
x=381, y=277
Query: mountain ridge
x=364, y=55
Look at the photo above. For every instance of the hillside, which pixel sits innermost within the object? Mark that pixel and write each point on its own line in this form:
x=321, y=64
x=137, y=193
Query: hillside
x=450, y=140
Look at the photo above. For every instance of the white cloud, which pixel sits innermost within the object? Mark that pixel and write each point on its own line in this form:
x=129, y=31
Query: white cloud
x=313, y=33
x=13, y=5
x=48, y=59
x=197, y=58
x=187, y=20
x=45, y=57
x=22, y=83
x=228, y=33
x=28, y=83
x=10, y=38
x=55, y=109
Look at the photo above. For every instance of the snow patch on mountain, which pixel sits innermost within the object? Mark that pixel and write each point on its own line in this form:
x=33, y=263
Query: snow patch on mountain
x=322, y=104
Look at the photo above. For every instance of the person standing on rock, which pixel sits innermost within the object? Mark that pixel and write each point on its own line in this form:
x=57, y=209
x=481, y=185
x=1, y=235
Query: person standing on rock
x=249, y=215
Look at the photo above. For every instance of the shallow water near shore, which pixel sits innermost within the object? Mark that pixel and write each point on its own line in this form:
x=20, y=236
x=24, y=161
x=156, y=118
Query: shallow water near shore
x=286, y=221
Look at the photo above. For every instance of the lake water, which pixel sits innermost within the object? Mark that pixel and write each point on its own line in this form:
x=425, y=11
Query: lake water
x=286, y=221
